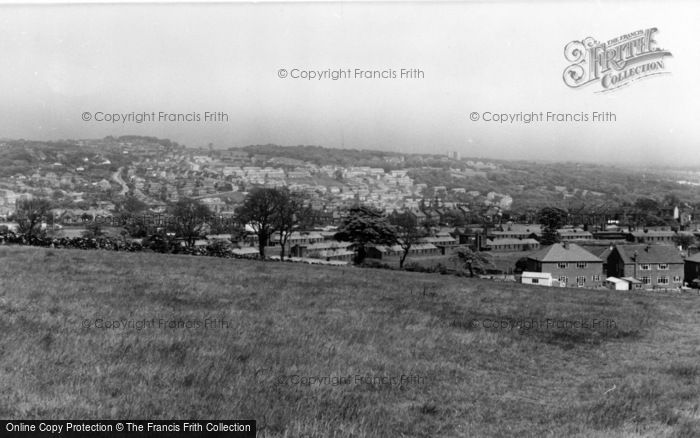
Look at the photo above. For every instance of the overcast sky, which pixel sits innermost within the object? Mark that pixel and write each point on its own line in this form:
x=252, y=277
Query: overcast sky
x=60, y=61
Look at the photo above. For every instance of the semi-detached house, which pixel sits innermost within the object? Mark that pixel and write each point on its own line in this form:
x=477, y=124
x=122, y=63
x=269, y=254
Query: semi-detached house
x=568, y=263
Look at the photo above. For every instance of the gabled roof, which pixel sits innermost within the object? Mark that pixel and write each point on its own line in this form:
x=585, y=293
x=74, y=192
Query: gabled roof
x=602, y=252
x=511, y=242
x=649, y=253
x=653, y=233
x=693, y=258
x=573, y=232
x=562, y=253
x=522, y=228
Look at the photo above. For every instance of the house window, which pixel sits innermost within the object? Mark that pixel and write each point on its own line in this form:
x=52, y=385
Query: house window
x=581, y=265
x=535, y=280
x=646, y=280
x=596, y=278
x=563, y=265
x=581, y=280
x=645, y=267
x=663, y=266
x=662, y=280
x=676, y=278
x=563, y=279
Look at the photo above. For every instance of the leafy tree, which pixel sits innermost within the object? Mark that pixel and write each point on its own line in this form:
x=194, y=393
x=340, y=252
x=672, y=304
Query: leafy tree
x=474, y=261
x=521, y=264
x=93, y=230
x=160, y=241
x=551, y=219
x=684, y=240
x=646, y=205
x=408, y=232
x=652, y=220
x=363, y=226
x=671, y=200
x=259, y=211
x=190, y=217
x=29, y=215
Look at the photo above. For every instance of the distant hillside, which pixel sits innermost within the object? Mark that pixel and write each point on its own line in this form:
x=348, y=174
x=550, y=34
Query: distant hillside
x=317, y=351
x=531, y=185
x=324, y=156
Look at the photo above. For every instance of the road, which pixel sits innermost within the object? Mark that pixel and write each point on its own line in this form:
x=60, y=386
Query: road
x=117, y=177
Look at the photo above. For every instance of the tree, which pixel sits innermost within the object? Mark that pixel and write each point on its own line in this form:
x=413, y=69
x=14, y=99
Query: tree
x=684, y=240
x=259, y=211
x=521, y=264
x=646, y=205
x=408, y=232
x=128, y=210
x=290, y=213
x=29, y=215
x=190, y=217
x=363, y=226
x=551, y=219
x=93, y=230
x=472, y=260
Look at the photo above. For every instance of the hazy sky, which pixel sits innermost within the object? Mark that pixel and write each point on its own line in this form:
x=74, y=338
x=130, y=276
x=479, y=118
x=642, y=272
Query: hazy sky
x=504, y=57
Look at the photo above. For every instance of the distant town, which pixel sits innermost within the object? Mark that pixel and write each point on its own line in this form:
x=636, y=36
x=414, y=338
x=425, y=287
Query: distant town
x=557, y=224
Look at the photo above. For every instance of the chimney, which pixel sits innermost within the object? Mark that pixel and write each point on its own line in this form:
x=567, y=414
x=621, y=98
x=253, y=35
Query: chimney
x=647, y=248
x=565, y=244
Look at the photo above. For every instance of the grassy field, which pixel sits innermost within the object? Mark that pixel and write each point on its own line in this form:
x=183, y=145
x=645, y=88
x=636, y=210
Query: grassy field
x=311, y=351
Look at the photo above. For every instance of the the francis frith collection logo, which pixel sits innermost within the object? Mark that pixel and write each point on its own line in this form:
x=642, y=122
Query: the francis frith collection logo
x=615, y=63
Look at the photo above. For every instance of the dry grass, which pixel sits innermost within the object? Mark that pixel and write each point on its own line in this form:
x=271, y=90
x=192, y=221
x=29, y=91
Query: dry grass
x=639, y=378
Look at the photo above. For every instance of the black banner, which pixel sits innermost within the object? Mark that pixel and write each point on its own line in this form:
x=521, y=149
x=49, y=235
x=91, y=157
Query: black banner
x=128, y=428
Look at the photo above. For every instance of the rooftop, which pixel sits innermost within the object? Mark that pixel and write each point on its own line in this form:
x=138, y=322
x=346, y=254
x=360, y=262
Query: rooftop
x=649, y=254
x=564, y=253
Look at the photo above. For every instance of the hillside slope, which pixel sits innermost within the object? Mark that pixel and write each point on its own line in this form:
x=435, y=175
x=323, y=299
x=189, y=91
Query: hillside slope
x=319, y=351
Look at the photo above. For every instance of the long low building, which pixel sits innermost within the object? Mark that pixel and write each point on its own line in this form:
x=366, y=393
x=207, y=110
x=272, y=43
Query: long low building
x=417, y=250
x=512, y=244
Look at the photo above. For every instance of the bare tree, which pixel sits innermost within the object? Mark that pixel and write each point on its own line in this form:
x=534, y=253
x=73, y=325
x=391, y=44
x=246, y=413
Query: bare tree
x=291, y=213
x=259, y=211
x=407, y=231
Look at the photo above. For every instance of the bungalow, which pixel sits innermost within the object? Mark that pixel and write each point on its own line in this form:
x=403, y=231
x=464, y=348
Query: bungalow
x=516, y=231
x=570, y=234
x=512, y=244
x=439, y=240
x=569, y=263
x=418, y=250
x=311, y=250
x=650, y=236
x=298, y=238
x=656, y=266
